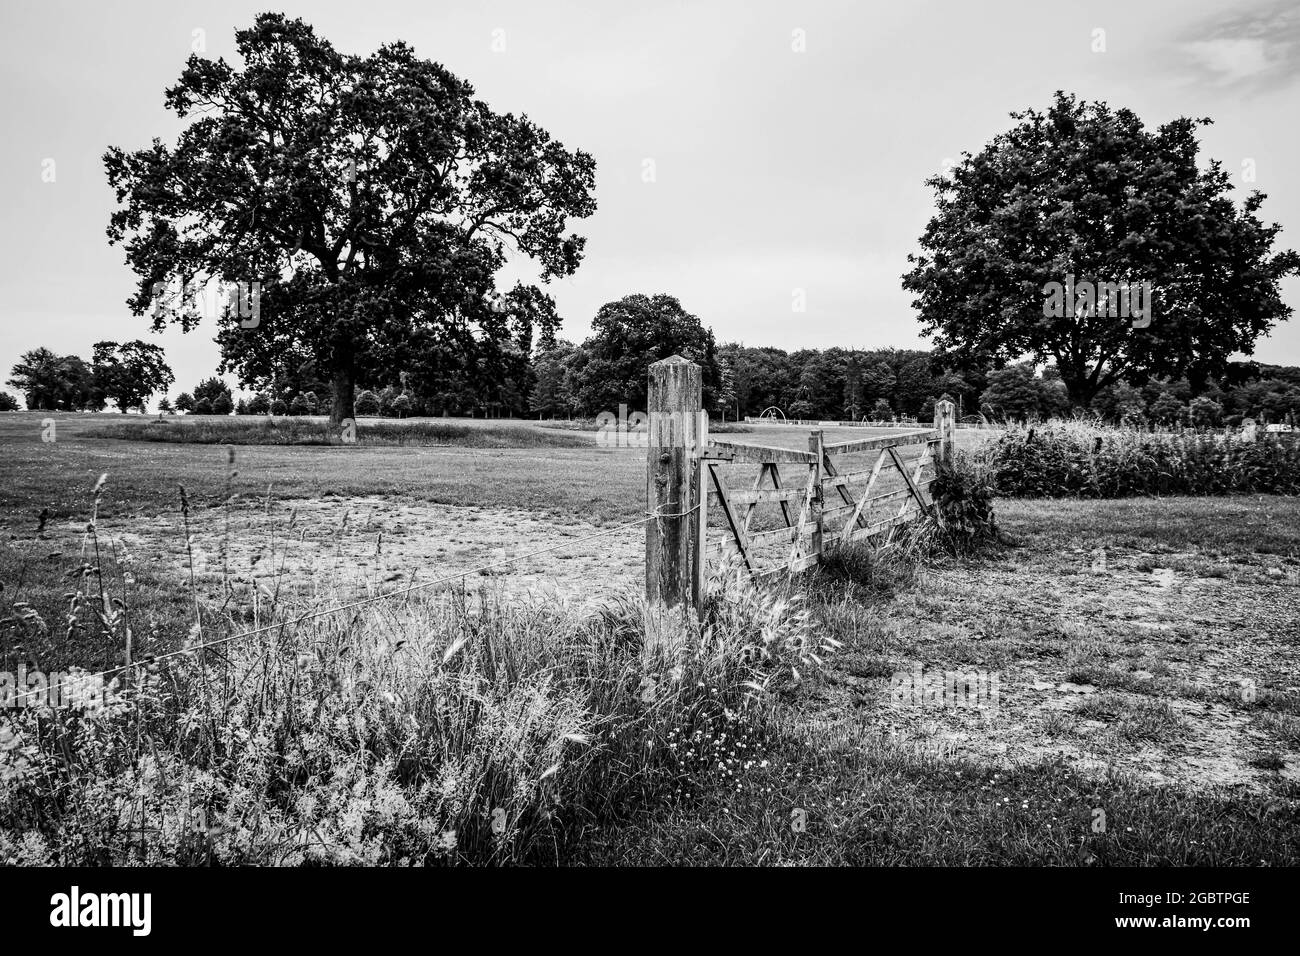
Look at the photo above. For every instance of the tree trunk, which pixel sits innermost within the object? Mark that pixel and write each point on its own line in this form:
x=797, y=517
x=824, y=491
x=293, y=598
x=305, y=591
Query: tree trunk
x=344, y=396
x=1080, y=391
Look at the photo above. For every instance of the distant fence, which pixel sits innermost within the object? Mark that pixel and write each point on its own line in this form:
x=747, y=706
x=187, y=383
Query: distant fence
x=830, y=423
x=711, y=503
x=864, y=423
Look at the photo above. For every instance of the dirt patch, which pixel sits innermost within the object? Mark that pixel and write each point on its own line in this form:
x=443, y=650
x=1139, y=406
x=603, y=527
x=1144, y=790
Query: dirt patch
x=354, y=544
x=1155, y=673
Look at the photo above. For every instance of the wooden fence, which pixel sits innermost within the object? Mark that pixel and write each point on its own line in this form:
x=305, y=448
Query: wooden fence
x=709, y=501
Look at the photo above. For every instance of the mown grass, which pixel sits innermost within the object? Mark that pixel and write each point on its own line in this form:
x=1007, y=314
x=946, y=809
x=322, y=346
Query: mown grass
x=604, y=484
x=841, y=795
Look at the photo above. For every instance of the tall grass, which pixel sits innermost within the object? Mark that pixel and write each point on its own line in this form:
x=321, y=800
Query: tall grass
x=451, y=729
x=1088, y=460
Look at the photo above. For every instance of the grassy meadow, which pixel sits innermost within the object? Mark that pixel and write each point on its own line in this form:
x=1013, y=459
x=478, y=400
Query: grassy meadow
x=1146, y=653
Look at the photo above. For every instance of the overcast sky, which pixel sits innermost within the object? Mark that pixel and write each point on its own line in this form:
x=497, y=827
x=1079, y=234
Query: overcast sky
x=774, y=169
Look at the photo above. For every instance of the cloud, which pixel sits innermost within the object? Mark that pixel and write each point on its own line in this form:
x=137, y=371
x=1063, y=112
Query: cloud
x=1257, y=48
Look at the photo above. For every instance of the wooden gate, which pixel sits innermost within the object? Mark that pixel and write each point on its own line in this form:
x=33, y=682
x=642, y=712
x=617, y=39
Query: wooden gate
x=828, y=496
x=708, y=501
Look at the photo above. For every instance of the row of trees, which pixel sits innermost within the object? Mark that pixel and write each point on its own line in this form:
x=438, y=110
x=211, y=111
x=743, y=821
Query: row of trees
x=377, y=203
x=1267, y=393
x=563, y=379
x=123, y=375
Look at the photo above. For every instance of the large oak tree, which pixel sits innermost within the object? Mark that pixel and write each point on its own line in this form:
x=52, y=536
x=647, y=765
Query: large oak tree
x=373, y=197
x=128, y=374
x=630, y=335
x=1085, y=191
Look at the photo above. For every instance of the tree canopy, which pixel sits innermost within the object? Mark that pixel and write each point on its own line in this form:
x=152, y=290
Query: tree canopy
x=52, y=382
x=1087, y=192
x=631, y=334
x=131, y=372
x=373, y=198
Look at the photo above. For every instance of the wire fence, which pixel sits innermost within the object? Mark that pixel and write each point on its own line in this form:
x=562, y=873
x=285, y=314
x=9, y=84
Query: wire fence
x=83, y=679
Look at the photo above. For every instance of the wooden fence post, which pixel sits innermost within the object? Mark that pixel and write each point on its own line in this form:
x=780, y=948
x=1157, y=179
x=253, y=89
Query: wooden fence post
x=673, y=484
x=945, y=424
x=817, y=450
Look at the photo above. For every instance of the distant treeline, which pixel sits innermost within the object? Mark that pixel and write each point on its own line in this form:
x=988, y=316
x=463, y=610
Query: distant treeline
x=560, y=379
x=876, y=384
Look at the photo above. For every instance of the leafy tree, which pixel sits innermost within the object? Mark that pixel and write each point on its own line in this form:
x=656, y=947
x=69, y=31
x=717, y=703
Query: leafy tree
x=551, y=394
x=299, y=405
x=51, y=382
x=878, y=381
x=1014, y=392
x=881, y=411
x=222, y=405
x=726, y=388
x=1120, y=402
x=367, y=403
x=185, y=402
x=202, y=406
x=259, y=404
x=1166, y=409
x=821, y=380
x=801, y=408
x=1089, y=192
x=8, y=403
x=128, y=374
x=631, y=335
x=373, y=197
x=1204, y=412
x=386, y=397
x=763, y=377
x=165, y=406
x=402, y=405
x=210, y=389
x=279, y=407
x=241, y=407
x=853, y=389
x=913, y=381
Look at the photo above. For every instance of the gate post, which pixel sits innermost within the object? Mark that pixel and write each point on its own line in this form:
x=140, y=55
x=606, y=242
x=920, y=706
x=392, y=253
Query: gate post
x=673, y=484
x=817, y=449
x=945, y=425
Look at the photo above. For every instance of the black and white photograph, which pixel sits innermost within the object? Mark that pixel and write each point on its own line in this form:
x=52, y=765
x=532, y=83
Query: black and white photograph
x=843, y=444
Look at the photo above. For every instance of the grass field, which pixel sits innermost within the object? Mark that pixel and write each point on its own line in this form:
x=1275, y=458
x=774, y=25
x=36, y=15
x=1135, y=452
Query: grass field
x=1146, y=652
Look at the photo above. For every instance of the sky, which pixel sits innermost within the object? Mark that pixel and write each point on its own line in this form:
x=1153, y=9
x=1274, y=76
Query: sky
x=751, y=156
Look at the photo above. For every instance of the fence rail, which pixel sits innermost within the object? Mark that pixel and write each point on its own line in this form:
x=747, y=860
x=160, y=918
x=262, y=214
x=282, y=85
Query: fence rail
x=773, y=521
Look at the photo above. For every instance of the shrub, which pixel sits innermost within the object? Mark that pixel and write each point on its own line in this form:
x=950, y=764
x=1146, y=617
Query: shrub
x=1081, y=459
x=367, y=403
x=961, y=518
